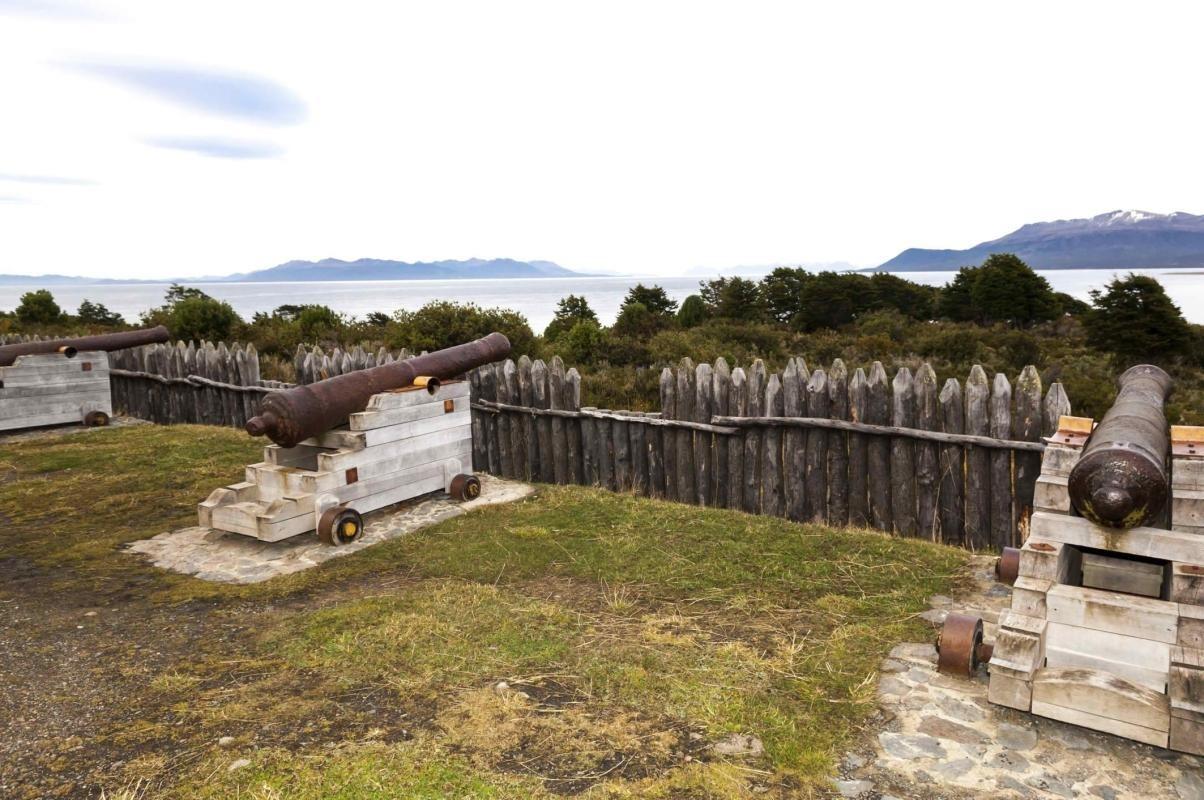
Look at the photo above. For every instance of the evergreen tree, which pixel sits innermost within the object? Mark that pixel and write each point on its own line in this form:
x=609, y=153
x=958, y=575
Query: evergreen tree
x=652, y=298
x=693, y=312
x=569, y=311
x=96, y=314
x=38, y=308
x=782, y=290
x=1136, y=320
x=733, y=298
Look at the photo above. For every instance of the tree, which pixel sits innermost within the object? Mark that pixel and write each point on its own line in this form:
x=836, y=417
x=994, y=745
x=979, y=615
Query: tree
x=652, y=298
x=956, y=302
x=318, y=322
x=637, y=322
x=907, y=297
x=1135, y=320
x=733, y=298
x=693, y=312
x=202, y=317
x=583, y=343
x=831, y=299
x=782, y=290
x=38, y=308
x=569, y=311
x=443, y=323
x=96, y=314
x=1007, y=290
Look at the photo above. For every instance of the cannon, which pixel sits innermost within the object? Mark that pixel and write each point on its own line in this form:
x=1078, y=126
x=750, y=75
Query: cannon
x=356, y=443
x=290, y=416
x=106, y=342
x=62, y=380
x=1120, y=481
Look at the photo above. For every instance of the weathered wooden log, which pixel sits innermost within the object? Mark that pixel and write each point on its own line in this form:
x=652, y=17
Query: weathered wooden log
x=572, y=402
x=952, y=488
x=878, y=449
x=502, y=390
x=753, y=438
x=560, y=437
x=902, y=456
x=978, y=465
x=1002, y=529
x=668, y=393
x=815, y=475
x=1026, y=426
x=1055, y=406
x=721, y=392
x=526, y=394
x=493, y=446
x=928, y=470
x=794, y=457
x=518, y=441
x=838, y=445
x=704, y=409
x=685, y=438
x=771, y=452
x=543, y=425
x=859, y=510
x=737, y=407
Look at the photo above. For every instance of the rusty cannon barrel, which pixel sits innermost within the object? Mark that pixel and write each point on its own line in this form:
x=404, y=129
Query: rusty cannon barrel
x=69, y=347
x=1121, y=479
x=290, y=416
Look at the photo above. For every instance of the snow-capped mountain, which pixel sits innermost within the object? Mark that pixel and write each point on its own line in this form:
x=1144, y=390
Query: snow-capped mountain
x=1116, y=240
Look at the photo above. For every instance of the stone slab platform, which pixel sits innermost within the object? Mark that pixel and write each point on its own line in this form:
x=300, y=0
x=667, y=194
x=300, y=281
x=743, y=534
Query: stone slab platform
x=937, y=736
x=223, y=557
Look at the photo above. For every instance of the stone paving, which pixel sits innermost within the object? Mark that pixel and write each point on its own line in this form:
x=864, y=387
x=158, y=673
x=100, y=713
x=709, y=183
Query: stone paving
x=938, y=737
x=213, y=555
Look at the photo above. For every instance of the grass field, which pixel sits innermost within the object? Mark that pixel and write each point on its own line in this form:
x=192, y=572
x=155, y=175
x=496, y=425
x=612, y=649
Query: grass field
x=576, y=643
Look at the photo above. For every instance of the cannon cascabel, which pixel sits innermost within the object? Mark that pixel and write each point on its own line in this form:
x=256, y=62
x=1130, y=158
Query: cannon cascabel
x=290, y=416
x=1121, y=478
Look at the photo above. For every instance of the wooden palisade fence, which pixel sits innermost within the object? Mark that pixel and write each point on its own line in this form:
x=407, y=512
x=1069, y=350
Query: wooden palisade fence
x=955, y=463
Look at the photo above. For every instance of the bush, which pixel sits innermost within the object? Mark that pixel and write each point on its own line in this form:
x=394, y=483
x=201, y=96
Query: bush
x=1002, y=289
x=569, y=311
x=693, y=312
x=96, y=314
x=443, y=323
x=38, y=308
x=1135, y=320
x=198, y=318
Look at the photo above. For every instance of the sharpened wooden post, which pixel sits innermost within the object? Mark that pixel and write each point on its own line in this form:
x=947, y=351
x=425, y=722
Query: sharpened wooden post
x=704, y=409
x=543, y=424
x=560, y=436
x=668, y=392
x=738, y=406
x=1026, y=426
x=685, y=436
x=878, y=447
x=480, y=448
x=493, y=454
x=526, y=389
x=572, y=402
x=859, y=510
x=621, y=436
x=504, y=420
x=902, y=456
x=815, y=473
x=953, y=479
x=771, y=462
x=794, y=456
x=928, y=470
x=1056, y=406
x=978, y=462
x=638, y=434
x=721, y=392
x=603, y=431
x=838, y=445
x=753, y=438
x=1003, y=533
x=518, y=443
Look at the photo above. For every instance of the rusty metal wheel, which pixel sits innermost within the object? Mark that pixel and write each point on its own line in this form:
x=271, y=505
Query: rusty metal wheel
x=959, y=647
x=465, y=487
x=1007, y=567
x=96, y=419
x=340, y=525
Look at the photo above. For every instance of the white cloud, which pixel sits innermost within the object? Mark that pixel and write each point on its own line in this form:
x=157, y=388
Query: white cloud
x=626, y=136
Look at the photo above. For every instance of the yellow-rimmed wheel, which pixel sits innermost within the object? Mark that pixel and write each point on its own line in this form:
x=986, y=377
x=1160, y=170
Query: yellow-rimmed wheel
x=340, y=525
x=465, y=487
x=96, y=419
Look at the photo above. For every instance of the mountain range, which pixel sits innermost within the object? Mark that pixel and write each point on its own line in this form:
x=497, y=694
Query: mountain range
x=1116, y=240
x=364, y=269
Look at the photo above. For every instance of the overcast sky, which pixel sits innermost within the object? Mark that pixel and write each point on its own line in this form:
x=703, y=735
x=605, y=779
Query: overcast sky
x=156, y=139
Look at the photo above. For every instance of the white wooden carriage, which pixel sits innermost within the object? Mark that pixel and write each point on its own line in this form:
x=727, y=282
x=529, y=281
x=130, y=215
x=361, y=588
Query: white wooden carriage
x=407, y=442
x=55, y=388
x=1106, y=626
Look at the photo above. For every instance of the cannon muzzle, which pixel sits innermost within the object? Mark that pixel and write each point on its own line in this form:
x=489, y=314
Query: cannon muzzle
x=1121, y=479
x=69, y=347
x=290, y=416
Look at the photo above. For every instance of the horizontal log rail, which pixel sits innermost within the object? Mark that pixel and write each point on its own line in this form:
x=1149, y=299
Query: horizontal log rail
x=879, y=430
x=192, y=380
x=593, y=413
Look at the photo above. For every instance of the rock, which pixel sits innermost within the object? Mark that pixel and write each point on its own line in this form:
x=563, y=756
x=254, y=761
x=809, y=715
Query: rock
x=1104, y=792
x=910, y=745
x=502, y=687
x=1190, y=786
x=738, y=744
x=225, y=741
x=1047, y=783
x=1014, y=737
x=238, y=764
x=942, y=728
x=853, y=762
x=853, y=788
x=1013, y=762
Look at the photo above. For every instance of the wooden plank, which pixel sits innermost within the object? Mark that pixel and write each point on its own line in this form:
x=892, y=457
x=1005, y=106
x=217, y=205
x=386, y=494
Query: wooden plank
x=1186, y=679
x=480, y=447
x=589, y=450
x=1096, y=722
x=526, y=393
x=572, y=402
x=704, y=409
x=815, y=471
x=1187, y=732
x=560, y=436
x=638, y=435
x=1125, y=614
x=357, y=440
x=753, y=437
x=370, y=420
x=1009, y=691
x=1055, y=406
x=902, y=456
x=1026, y=426
x=1059, y=459
x=686, y=477
x=1107, y=696
x=878, y=411
x=794, y=457
x=1051, y=494
x=721, y=392
x=543, y=424
x=952, y=489
x=978, y=465
x=928, y=470
x=1028, y=596
x=668, y=396
x=1191, y=626
x=1148, y=542
x=771, y=461
x=1002, y=525
x=1187, y=509
x=737, y=406
x=508, y=388
x=838, y=445
x=605, y=450
x=859, y=510
x=492, y=431
x=1121, y=574
x=1059, y=658
x=1044, y=560
x=621, y=437
x=1187, y=583
x=1107, y=646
